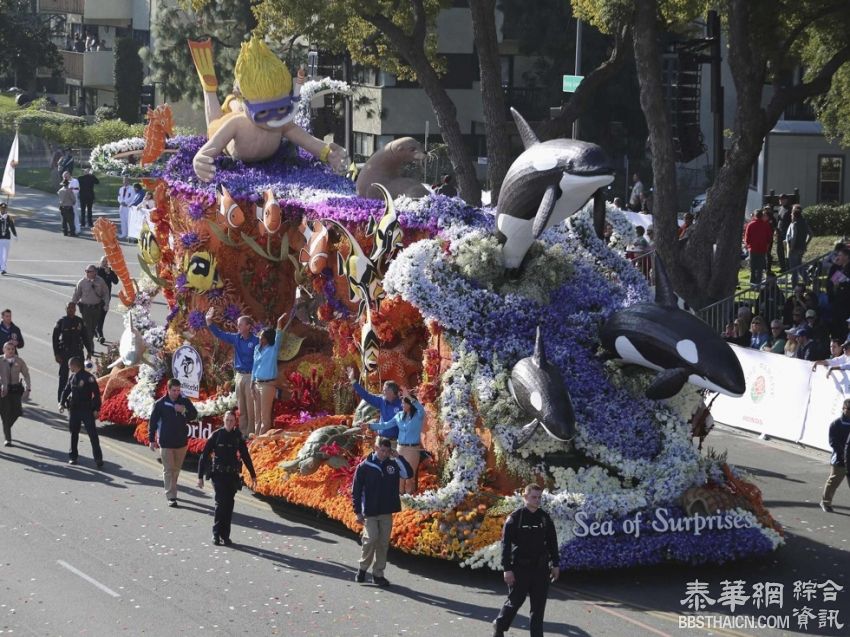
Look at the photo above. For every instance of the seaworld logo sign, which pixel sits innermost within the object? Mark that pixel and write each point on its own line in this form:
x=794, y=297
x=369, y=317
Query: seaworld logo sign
x=663, y=522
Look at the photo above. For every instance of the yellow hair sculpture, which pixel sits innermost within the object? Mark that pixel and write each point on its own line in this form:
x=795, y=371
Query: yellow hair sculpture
x=260, y=75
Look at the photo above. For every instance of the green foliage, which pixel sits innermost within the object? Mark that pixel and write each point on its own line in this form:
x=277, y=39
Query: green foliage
x=338, y=26
x=26, y=42
x=227, y=22
x=828, y=220
x=31, y=121
x=128, y=79
x=105, y=112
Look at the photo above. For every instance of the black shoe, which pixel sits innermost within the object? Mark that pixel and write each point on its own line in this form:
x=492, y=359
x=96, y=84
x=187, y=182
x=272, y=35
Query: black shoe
x=73, y=234
x=360, y=577
x=826, y=508
x=497, y=632
x=72, y=461
x=101, y=340
x=3, y=272
x=100, y=464
x=173, y=503
x=216, y=540
x=8, y=443
x=383, y=582
x=227, y=541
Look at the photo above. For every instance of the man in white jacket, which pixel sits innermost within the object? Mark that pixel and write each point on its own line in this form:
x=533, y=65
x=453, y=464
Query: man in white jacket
x=125, y=199
x=74, y=185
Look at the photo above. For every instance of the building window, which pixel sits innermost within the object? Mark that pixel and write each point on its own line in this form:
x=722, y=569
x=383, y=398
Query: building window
x=364, y=146
x=830, y=178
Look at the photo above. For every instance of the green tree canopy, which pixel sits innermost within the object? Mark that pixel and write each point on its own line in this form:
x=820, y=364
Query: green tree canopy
x=26, y=43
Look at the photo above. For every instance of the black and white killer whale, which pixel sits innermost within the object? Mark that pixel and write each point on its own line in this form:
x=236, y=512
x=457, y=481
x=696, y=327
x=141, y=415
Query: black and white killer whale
x=545, y=185
x=539, y=390
x=681, y=347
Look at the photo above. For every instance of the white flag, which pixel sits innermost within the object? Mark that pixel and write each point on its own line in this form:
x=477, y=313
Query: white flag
x=7, y=186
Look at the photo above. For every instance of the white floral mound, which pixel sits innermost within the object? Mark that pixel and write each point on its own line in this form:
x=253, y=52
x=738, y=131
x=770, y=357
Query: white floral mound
x=639, y=453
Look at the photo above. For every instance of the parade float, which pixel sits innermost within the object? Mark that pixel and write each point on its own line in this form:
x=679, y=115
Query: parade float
x=495, y=319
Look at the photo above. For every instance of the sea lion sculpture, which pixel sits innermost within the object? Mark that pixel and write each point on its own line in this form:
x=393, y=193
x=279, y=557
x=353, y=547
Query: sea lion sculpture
x=385, y=166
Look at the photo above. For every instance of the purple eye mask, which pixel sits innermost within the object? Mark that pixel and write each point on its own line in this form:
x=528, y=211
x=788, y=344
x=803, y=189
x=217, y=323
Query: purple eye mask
x=262, y=112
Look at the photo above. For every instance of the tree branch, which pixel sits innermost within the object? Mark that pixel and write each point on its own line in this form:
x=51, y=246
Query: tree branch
x=403, y=42
x=819, y=84
x=559, y=126
x=419, y=23
x=807, y=22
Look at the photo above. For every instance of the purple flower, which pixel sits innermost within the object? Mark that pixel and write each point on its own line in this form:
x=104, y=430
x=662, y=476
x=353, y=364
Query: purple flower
x=215, y=293
x=172, y=312
x=232, y=312
x=190, y=239
x=196, y=320
x=196, y=211
x=181, y=283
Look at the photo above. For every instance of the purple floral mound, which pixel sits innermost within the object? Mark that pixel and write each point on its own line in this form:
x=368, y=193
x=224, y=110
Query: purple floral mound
x=303, y=185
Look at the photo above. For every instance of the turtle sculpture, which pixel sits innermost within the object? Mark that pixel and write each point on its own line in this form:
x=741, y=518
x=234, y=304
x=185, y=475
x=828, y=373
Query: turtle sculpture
x=311, y=456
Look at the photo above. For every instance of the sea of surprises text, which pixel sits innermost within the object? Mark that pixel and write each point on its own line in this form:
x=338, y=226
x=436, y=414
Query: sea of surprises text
x=662, y=522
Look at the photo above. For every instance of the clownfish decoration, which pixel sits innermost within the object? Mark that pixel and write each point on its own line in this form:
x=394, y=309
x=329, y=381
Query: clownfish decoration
x=270, y=220
x=230, y=216
x=201, y=272
x=364, y=283
x=387, y=232
x=315, y=254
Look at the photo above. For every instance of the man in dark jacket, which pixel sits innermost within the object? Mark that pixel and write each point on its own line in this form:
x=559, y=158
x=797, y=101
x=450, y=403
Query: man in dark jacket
x=375, y=497
x=530, y=559
x=69, y=340
x=9, y=331
x=839, y=437
x=81, y=397
x=168, y=430
x=87, y=184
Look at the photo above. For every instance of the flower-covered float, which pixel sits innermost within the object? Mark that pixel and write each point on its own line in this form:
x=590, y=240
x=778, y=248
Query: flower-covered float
x=417, y=291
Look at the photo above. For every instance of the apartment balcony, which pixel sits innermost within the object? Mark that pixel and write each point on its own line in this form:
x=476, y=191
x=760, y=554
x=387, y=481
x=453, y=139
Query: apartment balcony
x=92, y=69
x=111, y=12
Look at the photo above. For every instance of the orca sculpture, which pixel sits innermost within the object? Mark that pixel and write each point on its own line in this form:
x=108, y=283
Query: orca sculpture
x=545, y=185
x=681, y=347
x=539, y=390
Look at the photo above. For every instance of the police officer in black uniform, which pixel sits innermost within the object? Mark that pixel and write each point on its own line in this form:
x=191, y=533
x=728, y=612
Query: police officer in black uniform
x=225, y=470
x=69, y=340
x=81, y=397
x=530, y=561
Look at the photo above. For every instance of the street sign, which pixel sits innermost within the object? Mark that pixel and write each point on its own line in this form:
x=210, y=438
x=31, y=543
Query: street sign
x=571, y=83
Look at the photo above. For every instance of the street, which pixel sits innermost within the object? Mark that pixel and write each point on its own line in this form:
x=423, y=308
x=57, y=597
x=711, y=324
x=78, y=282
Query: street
x=88, y=552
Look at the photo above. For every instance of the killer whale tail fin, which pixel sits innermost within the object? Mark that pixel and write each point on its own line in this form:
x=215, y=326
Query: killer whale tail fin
x=539, y=349
x=525, y=132
x=664, y=294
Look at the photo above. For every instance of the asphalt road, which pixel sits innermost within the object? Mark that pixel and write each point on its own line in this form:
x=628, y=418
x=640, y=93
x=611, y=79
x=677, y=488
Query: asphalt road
x=87, y=552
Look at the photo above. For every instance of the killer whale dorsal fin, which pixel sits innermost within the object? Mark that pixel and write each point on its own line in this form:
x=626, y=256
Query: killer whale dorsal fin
x=539, y=349
x=664, y=294
x=525, y=131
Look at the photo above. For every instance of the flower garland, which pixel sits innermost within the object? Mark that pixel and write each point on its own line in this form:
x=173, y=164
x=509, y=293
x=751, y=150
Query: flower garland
x=101, y=158
x=311, y=89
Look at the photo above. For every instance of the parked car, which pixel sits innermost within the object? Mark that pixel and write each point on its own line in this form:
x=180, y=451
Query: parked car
x=754, y=200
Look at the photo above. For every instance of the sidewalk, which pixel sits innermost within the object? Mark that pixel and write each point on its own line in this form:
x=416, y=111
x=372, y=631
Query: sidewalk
x=38, y=202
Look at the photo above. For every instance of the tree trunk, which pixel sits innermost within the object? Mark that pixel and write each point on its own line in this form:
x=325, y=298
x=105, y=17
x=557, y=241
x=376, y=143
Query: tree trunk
x=648, y=63
x=411, y=48
x=492, y=96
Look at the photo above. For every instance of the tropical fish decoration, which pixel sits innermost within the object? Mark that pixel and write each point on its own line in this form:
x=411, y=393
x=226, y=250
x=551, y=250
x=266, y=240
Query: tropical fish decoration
x=387, y=232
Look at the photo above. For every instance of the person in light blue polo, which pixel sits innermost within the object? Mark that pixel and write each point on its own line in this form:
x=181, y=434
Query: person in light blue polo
x=264, y=372
x=408, y=422
x=389, y=404
x=244, y=343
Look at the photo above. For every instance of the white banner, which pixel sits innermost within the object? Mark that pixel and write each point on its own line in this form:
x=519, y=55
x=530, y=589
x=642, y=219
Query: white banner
x=825, y=401
x=776, y=399
x=188, y=367
x=7, y=186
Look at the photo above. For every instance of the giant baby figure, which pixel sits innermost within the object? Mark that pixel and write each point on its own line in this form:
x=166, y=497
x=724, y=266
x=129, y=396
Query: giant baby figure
x=250, y=124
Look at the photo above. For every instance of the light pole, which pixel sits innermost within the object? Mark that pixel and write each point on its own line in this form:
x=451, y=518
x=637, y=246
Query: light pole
x=577, y=71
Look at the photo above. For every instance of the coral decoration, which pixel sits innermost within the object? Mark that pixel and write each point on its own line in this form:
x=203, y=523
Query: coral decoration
x=104, y=232
x=752, y=494
x=303, y=392
x=160, y=126
x=395, y=319
x=115, y=410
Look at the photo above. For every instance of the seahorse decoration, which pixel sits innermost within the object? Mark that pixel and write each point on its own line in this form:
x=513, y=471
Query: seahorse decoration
x=104, y=232
x=159, y=127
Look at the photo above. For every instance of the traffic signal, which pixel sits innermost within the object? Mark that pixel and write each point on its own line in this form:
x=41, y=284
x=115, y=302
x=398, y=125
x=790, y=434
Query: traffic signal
x=685, y=112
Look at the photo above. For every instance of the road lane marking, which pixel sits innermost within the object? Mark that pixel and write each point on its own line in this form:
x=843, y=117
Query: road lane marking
x=628, y=619
x=88, y=578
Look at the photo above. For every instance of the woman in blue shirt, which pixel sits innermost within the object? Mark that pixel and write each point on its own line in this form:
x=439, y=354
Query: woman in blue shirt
x=264, y=374
x=409, y=422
